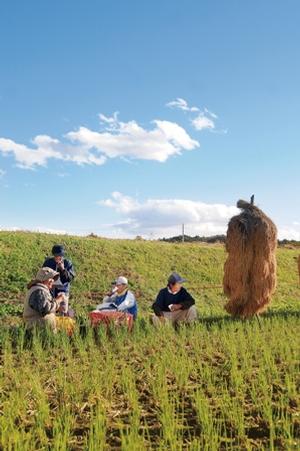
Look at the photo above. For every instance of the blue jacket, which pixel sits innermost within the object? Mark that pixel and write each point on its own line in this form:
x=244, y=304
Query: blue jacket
x=66, y=275
x=126, y=303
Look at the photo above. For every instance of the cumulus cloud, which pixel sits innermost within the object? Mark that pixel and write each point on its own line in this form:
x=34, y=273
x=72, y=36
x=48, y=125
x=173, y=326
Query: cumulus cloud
x=163, y=217
x=117, y=139
x=130, y=140
x=28, y=157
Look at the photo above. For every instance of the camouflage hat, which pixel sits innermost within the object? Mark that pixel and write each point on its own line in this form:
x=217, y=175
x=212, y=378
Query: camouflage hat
x=46, y=273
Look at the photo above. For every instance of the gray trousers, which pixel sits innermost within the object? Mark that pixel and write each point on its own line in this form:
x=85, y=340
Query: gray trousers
x=180, y=316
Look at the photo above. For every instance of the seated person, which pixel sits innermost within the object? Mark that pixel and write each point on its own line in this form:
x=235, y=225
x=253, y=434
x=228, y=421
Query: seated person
x=40, y=306
x=174, y=304
x=61, y=285
x=119, y=299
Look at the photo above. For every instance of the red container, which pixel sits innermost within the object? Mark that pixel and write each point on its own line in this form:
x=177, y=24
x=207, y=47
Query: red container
x=111, y=318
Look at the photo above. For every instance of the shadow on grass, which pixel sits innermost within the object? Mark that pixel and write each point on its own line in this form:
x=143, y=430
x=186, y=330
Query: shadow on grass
x=227, y=319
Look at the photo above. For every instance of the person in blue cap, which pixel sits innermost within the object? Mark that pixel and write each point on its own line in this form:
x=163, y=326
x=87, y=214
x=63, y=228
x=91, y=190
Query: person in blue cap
x=174, y=304
x=66, y=272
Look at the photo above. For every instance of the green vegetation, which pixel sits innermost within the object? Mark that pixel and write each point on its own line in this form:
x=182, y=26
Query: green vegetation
x=221, y=384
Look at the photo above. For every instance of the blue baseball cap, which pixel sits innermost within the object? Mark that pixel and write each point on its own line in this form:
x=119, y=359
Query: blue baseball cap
x=175, y=278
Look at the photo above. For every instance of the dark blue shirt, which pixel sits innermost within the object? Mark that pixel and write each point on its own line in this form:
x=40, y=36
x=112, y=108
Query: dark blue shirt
x=165, y=298
x=66, y=275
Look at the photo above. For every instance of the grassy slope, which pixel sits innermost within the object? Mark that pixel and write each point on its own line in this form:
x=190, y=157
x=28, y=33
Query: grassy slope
x=146, y=264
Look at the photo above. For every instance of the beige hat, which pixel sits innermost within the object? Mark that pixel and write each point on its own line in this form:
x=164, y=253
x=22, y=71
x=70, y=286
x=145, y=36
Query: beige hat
x=122, y=281
x=46, y=273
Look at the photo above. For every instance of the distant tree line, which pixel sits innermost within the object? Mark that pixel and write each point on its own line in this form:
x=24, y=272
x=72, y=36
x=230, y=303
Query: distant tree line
x=217, y=239
x=197, y=238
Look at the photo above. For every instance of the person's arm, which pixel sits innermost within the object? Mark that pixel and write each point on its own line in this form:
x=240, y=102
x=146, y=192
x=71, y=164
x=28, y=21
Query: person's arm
x=158, y=304
x=41, y=303
x=66, y=273
x=107, y=302
x=127, y=303
x=187, y=301
x=46, y=262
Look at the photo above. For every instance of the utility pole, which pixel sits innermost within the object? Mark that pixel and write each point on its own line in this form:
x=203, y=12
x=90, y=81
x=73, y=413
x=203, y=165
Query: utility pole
x=183, y=233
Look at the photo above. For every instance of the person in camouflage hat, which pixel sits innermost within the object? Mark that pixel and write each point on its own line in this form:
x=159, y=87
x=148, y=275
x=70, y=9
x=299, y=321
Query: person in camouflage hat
x=40, y=306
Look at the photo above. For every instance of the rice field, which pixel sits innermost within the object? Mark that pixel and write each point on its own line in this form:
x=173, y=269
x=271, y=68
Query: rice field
x=221, y=384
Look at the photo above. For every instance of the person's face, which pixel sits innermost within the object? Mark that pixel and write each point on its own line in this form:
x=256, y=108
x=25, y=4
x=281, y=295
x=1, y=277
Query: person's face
x=58, y=259
x=120, y=288
x=49, y=283
x=175, y=287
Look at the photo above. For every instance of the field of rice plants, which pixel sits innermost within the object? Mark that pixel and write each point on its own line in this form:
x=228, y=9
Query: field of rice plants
x=221, y=384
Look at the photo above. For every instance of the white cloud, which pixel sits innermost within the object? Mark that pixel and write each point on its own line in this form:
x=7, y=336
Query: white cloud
x=202, y=122
x=34, y=229
x=130, y=140
x=111, y=120
x=163, y=217
x=26, y=157
x=42, y=229
x=182, y=104
x=2, y=173
x=117, y=139
x=289, y=232
x=10, y=229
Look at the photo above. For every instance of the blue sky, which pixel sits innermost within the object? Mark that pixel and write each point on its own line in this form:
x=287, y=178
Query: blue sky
x=235, y=68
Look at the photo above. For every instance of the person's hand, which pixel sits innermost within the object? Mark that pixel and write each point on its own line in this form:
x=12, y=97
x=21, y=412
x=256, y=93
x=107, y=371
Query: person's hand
x=60, y=263
x=60, y=298
x=175, y=307
x=61, y=308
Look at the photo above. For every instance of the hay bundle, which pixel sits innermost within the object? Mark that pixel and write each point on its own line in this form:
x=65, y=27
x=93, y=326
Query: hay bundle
x=250, y=268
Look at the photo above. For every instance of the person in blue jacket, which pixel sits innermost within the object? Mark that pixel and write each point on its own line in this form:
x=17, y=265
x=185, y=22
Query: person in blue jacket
x=66, y=272
x=120, y=299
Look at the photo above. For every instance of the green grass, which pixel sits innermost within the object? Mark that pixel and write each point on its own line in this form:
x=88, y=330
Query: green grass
x=221, y=384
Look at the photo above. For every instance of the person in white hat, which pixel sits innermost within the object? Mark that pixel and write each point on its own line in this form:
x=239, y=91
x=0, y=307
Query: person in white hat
x=120, y=298
x=40, y=306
